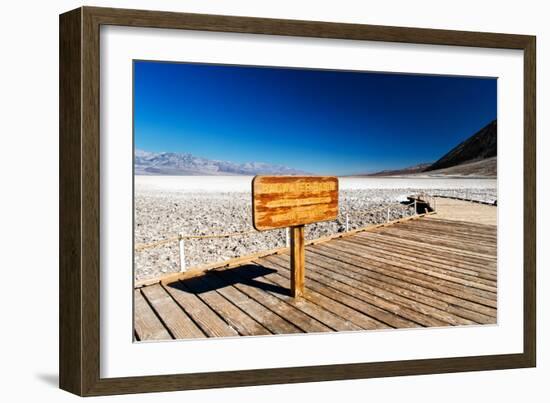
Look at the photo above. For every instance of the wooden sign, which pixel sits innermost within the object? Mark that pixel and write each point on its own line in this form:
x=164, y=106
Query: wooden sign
x=293, y=201
x=288, y=201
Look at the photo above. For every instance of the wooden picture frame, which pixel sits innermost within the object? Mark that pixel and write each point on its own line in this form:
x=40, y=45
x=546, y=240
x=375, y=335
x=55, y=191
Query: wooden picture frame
x=79, y=281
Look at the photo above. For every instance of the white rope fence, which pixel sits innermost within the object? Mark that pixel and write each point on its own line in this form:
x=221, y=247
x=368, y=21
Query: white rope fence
x=181, y=237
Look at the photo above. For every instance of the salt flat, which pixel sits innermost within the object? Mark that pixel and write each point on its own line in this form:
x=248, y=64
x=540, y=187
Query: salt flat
x=154, y=183
x=179, y=184
x=166, y=206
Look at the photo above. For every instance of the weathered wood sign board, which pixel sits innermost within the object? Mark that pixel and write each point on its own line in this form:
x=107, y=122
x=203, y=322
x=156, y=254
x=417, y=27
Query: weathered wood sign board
x=293, y=201
x=289, y=201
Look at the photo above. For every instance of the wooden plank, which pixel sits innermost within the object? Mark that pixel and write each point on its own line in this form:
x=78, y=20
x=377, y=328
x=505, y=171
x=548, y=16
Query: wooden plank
x=390, y=293
x=340, y=268
x=420, y=258
x=287, y=201
x=429, y=253
x=466, y=230
x=326, y=317
x=320, y=307
x=449, y=290
x=451, y=234
x=429, y=256
x=362, y=313
x=448, y=240
x=297, y=261
x=439, y=241
x=487, y=264
x=432, y=285
x=147, y=325
x=464, y=223
x=206, y=289
x=446, y=230
x=480, y=227
x=181, y=326
x=299, y=319
x=373, y=299
x=446, y=234
x=267, y=318
x=453, y=305
x=465, y=279
x=208, y=321
x=419, y=245
x=420, y=277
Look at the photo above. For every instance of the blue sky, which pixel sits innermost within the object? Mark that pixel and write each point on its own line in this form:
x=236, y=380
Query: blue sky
x=319, y=121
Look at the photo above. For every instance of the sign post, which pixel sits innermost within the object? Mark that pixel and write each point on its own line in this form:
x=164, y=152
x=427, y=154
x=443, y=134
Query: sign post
x=292, y=202
x=297, y=261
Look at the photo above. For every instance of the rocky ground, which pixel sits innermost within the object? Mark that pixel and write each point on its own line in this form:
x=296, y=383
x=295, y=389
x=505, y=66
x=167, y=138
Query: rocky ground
x=162, y=214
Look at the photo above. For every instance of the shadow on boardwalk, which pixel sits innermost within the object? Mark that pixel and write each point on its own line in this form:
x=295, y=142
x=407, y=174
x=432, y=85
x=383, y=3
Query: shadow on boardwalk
x=246, y=274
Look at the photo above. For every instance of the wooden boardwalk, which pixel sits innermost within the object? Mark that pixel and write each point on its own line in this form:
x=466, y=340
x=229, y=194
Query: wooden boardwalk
x=417, y=273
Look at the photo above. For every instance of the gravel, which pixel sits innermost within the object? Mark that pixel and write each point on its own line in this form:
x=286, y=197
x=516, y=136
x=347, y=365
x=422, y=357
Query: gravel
x=162, y=214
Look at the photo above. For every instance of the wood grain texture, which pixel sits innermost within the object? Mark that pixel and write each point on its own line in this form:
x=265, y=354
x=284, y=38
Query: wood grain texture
x=319, y=312
x=147, y=325
x=79, y=200
x=378, y=317
x=235, y=317
x=70, y=188
x=287, y=201
x=91, y=175
x=176, y=320
x=202, y=315
x=297, y=261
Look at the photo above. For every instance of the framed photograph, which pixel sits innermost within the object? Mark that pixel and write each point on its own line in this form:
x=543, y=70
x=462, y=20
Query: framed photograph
x=248, y=201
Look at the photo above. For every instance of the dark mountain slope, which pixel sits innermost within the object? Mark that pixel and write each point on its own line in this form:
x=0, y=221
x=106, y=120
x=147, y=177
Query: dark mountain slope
x=481, y=145
x=485, y=168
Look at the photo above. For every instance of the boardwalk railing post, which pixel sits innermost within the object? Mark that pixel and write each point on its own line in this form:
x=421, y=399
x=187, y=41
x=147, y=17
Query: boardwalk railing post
x=347, y=222
x=183, y=267
x=388, y=215
x=287, y=237
x=297, y=261
x=415, y=210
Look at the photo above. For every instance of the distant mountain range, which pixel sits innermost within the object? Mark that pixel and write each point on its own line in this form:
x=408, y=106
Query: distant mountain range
x=475, y=156
x=168, y=163
x=403, y=171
